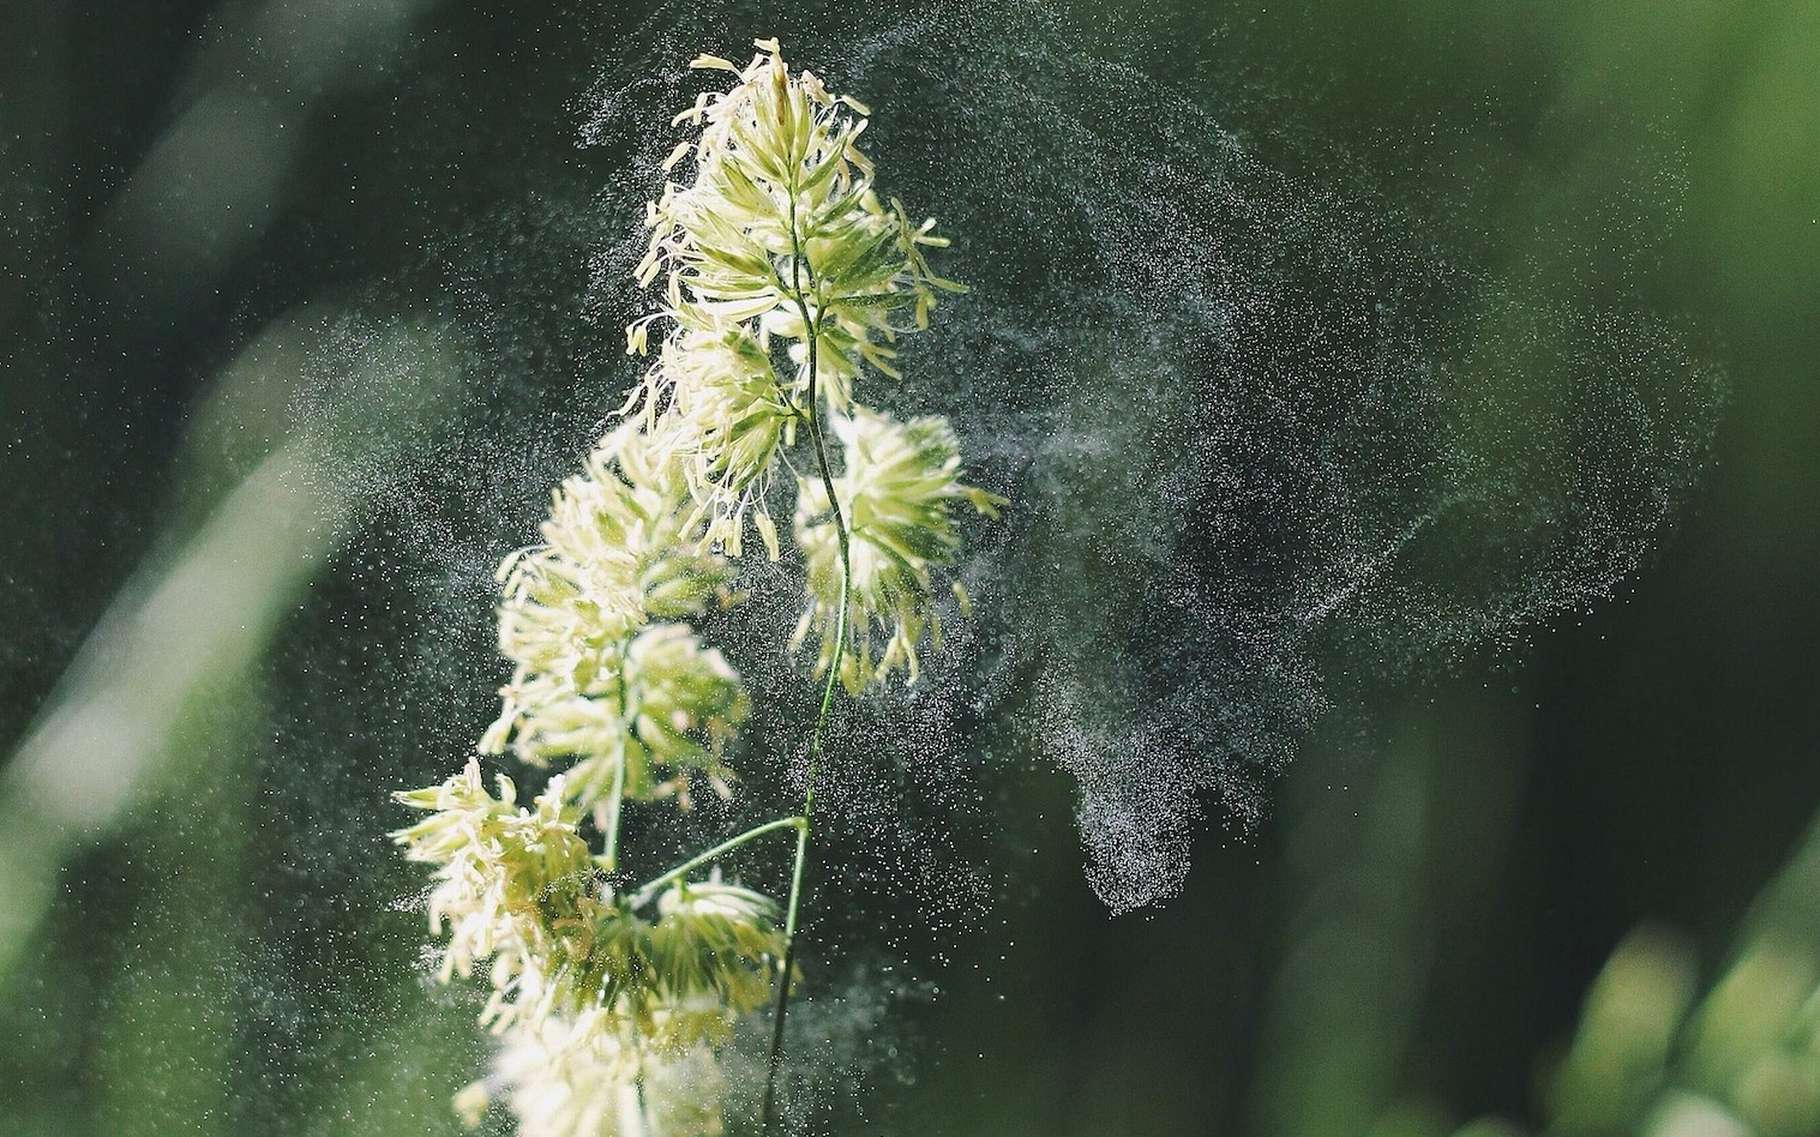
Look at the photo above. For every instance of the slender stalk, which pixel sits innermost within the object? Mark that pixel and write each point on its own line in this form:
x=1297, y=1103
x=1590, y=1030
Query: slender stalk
x=616, y=795
x=650, y=888
x=615, y=799
x=641, y=1110
x=799, y=265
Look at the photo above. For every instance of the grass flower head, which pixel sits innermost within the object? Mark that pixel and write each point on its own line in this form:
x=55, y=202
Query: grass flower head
x=784, y=277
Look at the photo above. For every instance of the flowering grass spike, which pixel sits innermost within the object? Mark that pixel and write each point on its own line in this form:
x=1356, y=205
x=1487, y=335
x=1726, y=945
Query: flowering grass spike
x=785, y=283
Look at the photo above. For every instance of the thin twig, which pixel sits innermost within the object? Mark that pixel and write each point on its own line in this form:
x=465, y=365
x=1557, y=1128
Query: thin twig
x=649, y=889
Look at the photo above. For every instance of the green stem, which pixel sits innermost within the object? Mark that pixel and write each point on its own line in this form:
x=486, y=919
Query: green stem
x=616, y=795
x=615, y=798
x=643, y=1109
x=812, y=332
x=650, y=888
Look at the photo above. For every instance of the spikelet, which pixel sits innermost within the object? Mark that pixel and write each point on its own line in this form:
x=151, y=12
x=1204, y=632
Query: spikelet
x=901, y=480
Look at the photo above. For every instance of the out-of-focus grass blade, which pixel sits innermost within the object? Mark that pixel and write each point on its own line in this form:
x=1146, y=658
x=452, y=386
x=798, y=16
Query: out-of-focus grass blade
x=196, y=618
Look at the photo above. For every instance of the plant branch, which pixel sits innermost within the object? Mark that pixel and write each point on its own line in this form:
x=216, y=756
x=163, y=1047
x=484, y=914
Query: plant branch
x=647, y=891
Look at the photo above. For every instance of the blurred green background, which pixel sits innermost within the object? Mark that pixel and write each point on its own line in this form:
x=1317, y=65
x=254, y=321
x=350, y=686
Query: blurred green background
x=1572, y=888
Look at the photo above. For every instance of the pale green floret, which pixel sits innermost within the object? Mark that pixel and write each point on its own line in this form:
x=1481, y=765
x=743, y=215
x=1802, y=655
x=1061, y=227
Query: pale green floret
x=682, y=703
x=660, y=704
x=619, y=542
x=781, y=229
x=571, y=1078
x=681, y=979
x=593, y=681
x=518, y=886
x=616, y=554
x=667, y=983
x=717, y=939
x=724, y=415
x=509, y=879
x=899, y=480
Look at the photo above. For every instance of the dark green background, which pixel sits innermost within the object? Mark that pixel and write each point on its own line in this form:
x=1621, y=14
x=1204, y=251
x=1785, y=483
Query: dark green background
x=1413, y=925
